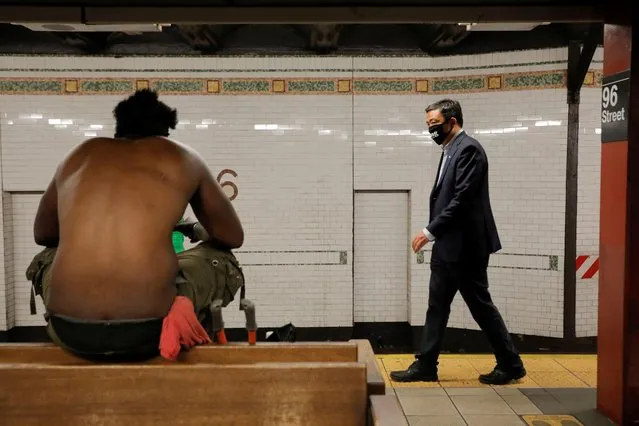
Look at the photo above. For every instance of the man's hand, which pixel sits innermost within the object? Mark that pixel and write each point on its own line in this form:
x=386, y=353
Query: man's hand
x=419, y=242
x=186, y=228
x=192, y=230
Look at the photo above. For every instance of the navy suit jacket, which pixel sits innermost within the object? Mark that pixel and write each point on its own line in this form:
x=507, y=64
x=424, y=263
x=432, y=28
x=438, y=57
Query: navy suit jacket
x=461, y=218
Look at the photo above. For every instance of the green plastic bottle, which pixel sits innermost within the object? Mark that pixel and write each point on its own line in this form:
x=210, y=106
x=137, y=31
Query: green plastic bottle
x=178, y=240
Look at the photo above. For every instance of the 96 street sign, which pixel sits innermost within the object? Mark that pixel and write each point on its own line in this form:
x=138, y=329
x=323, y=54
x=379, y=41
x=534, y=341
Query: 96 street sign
x=615, y=94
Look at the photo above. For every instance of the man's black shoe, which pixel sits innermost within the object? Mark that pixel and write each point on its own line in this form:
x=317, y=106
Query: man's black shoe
x=501, y=376
x=417, y=372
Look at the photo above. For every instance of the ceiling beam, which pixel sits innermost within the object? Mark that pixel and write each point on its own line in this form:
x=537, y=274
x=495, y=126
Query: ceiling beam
x=579, y=60
x=41, y=14
x=341, y=15
x=301, y=15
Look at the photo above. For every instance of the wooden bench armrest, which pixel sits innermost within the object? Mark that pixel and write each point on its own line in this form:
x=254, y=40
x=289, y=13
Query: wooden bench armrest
x=385, y=410
x=374, y=378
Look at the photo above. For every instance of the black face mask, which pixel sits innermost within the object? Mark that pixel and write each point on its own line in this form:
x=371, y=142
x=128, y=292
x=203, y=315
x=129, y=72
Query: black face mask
x=437, y=133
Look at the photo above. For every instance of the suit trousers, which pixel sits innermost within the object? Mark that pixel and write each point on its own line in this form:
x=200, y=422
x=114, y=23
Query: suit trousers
x=470, y=278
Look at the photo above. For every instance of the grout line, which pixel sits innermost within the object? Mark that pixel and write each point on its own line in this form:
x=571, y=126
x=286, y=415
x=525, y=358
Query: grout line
x=453, y=402
x=511, y=408
x=570, y=372
x=574, y=374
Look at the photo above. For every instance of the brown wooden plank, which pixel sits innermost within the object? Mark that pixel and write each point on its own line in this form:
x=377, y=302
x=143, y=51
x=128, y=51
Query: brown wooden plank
x=259, y=394
x=365, y=354
x=386, y=411
x=212, y=354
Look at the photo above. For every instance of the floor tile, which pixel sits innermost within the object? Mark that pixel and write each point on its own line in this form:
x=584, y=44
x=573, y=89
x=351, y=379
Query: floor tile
x=533, y=391
x=542, y=364
x=520, y=404
x=549, y=420
x=455, y=362
x=593, y=418
x=556, y=379
x=482, y=365
x=493, y=420
x=589, y=377
x=436, y=420
x=456, y=383
x=481, y=404
x=420, y=392
x=578, y=364
x=547, y=404
x=382, y=369
x=458, y=375
x=415, y=385
x=427, y=405
x=461, y=371
x=572, y=392
x=503, y=390
x=526, y=382
x=470, y=391
x=575, y=399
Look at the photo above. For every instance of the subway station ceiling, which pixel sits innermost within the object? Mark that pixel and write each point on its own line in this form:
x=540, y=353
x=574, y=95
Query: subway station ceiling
x=77, y=32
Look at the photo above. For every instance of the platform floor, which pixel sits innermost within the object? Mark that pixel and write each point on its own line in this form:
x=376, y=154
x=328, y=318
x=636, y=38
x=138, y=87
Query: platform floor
x=559, y=390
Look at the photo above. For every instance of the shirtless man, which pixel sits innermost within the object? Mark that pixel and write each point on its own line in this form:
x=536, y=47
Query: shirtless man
x=109, y=212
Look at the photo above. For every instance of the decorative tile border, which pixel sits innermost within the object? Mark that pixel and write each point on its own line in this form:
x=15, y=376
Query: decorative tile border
x=292, y=86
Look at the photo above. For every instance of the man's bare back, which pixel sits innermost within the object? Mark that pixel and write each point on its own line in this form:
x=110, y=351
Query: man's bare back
x=116, y=202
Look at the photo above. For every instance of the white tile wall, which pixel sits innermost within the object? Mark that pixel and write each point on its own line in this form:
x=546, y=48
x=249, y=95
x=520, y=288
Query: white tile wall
x=5, y=285
x=296, y=181
x=380, y=264
x=527, y=168
x=589, y=176
x=9, y=268
x=295, y=187
x=22, y=214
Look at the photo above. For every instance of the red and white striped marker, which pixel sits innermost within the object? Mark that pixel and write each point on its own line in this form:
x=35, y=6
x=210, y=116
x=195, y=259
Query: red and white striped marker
x=587, y=267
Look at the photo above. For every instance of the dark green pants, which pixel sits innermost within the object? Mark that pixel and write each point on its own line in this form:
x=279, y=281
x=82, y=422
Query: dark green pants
x=205, y=274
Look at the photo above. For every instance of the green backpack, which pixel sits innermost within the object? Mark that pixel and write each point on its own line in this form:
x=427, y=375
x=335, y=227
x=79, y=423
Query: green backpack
x=205, y=264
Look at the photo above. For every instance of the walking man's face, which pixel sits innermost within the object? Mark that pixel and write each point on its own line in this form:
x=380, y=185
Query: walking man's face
x=438, y=127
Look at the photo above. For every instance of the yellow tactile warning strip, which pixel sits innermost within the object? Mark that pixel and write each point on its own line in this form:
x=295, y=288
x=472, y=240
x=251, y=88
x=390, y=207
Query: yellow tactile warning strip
x=548, y=420
x=461, y=371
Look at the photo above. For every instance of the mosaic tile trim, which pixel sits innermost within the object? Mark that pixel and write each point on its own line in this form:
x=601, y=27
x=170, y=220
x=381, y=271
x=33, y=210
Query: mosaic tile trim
x=458, y=84
x=309, y=86
x=534, y=80
x=268, y=86
x=19, y=86
x=109, y=86
x=385, y=85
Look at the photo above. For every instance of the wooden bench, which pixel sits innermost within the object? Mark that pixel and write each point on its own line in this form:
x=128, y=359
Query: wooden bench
x=232, y=353
x=267, y=384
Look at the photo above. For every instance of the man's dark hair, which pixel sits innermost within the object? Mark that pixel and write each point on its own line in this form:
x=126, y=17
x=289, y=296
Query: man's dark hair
x=449, y=108
x=142, y=115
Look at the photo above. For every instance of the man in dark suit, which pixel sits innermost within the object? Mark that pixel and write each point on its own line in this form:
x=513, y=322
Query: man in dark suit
x=463, y=229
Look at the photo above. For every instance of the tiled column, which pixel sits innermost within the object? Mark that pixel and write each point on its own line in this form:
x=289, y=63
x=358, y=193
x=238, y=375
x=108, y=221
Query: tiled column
x=618, y=337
